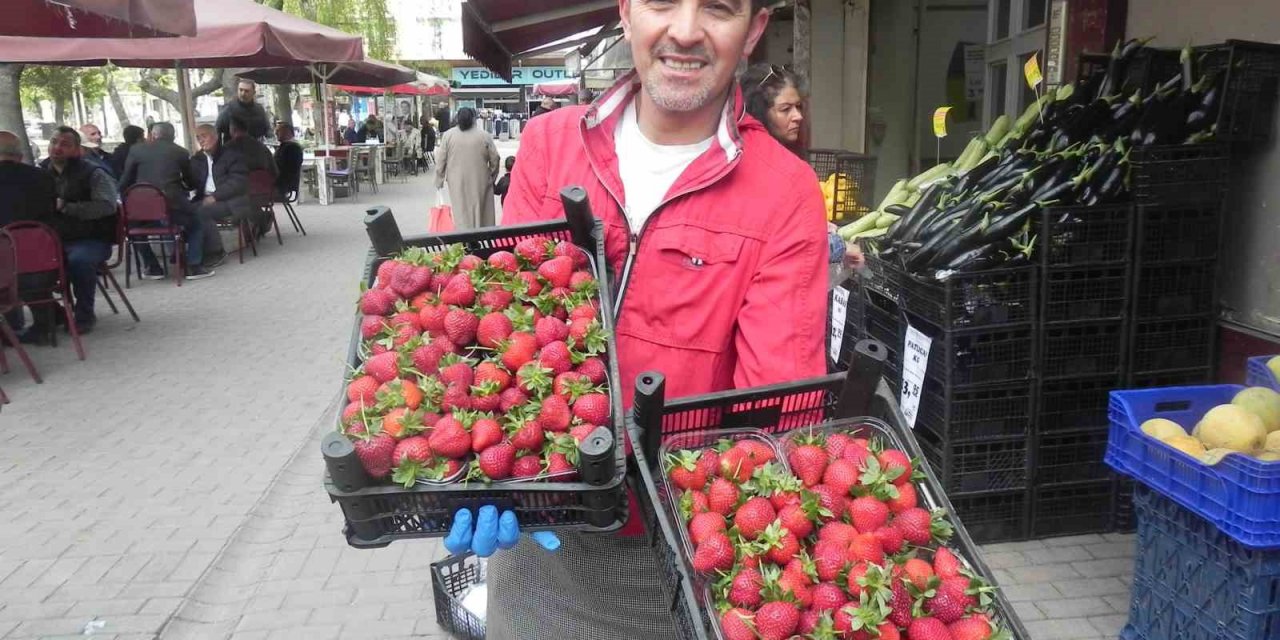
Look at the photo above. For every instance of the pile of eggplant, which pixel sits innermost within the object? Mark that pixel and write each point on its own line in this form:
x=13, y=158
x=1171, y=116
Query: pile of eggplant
x=1071, y=147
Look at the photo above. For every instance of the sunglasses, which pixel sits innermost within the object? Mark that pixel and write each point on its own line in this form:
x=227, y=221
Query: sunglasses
x=774, y=70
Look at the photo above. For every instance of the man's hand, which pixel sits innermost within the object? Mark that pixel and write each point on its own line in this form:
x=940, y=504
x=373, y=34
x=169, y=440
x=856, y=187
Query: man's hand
x=853, y=255
x=490, y=532
x=209, y=200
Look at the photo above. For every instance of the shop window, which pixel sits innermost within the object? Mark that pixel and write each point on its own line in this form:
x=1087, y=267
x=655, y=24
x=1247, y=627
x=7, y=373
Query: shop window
x=1003, y=13
x=1033, y=13
x=998, y=80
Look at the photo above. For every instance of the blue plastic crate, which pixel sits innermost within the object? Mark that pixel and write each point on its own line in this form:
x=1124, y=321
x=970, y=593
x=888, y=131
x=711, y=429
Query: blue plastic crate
x=1192, y=582
x=1240, y=494
x=1259, y=374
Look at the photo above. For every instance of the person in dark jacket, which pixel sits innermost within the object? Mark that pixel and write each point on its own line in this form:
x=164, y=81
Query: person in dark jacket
x=503, y=184
x=26, y=192
x=91, y=148
x=257, y=157
x=165, y=165
x=442, y=119
x=289, y=158
x=85, y=219
x=247, y=109
x=222, y=190
x=132, y=136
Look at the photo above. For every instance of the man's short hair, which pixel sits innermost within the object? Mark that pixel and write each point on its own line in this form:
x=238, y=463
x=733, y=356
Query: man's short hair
x=163, y=131
x=64, y=130
x=206, y=128
x=255, y=84
x=10, y=144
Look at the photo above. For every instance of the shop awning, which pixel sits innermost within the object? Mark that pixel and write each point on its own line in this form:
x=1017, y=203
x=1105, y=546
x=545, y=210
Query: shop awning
x=404, y=89
x=495, y=31
x=557, y=89
x=98, y=18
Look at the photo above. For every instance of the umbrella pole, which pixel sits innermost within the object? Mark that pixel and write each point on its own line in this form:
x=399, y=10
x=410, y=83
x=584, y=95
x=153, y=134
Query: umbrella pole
x=184, y=103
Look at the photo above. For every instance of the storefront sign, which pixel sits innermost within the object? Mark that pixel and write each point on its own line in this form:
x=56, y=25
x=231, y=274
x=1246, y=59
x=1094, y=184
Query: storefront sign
x=1057, y=42
x=975, y=67
x=1032, y=71
x=940, y=121
x=915, y=359
x=482, y=77
x=839, y=311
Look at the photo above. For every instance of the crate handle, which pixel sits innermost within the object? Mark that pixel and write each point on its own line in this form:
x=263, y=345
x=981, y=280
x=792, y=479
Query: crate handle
x=860, y=382
x=577, y=211
x=647, y=409
x=1171, y=406
x=383, y=231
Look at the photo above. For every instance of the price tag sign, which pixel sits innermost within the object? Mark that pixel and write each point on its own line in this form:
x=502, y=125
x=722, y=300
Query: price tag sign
x=839, y=311
x=940, y=121
x=915, y=359
x=1032, y=71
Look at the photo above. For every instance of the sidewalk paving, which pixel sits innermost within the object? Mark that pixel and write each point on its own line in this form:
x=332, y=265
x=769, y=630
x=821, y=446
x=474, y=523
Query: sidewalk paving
x=169, y=486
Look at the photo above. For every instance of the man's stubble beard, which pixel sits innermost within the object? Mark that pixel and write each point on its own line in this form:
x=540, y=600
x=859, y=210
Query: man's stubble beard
x=680, y=100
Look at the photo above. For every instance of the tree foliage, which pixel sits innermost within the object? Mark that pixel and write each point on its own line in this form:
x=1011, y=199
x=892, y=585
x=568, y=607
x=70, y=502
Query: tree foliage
x=368, y=18
x=59, y=84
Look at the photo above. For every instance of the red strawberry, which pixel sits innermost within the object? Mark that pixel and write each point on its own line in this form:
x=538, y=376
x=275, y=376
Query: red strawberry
x=371, y=326
x=581, y=281
x=456, y=398
x=489, y=372
x=469, y=263
x=558, y=463
x=459, y=292
x=868, y=513
x=504, y=261
x=900, y=604
x=404, y=334
x=385, y=271
x=413, y=449
x=520, y=349
x=406, y=317
x=593, y=368
x=533, y=250
x=485, y=432
x=890, y=539
x=496, y=299
x=906, y=498
x=808, y=462
x=830, y=557
x=426, y=358
x=496, y=461
x=532, y=286
x=431, y=317
x=692, y=502
x=857, y=453
x=945, y=563
x=485, y=400
x=753, y=516
x=784, y=548
x=722, y=496
x=714, y=554
x=736, y=624
x=828, y=596
x=592, y=408
x=511, y=398
x=460, y=325
x=529, y=436
x=809, y=621
x=736, y=464
x=709, y=460
x=893, y=459
x=555, y=356
x=972, y=627
x=777, y=620
x=928, y=629
x=759, y=452
x=795, y=520
x=915, y=525
x=584, y=313
x=363, y=390
x=527, y=466
x=840, y=475
x=376, y=454
x=557, y=271
x=445, y=345
x=918, y=572
x=572, y=251
x=685, y=472
x=383, y=367
x=395, y=421
x=568, y=382
x=492, y=329
x=866, y=548
x=703, y=525
x=400, y=392
x=450, y=439
x=795, y=585
x=888, y=631
x=832, y=500
x=744, y=589
x=352, y=412
x=440, y=280
x=377, y=302
x=420, y=280
x=554, y=414
x=457, y=373
x=950, y=601
x=583, y=431
x=548, y=330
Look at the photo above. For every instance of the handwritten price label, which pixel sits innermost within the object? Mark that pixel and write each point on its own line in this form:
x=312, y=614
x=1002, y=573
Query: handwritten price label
x=839, y=311
x=915, y=360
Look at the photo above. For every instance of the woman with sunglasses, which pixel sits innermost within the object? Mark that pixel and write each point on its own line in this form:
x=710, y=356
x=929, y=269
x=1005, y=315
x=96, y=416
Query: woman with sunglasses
x=772, y=96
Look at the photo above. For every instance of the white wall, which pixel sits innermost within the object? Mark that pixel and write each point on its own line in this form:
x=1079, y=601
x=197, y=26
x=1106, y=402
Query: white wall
x=1250, y=268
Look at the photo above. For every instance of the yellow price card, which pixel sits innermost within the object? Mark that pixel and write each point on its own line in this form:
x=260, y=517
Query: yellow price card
x=940, y=121
x=1032, y=71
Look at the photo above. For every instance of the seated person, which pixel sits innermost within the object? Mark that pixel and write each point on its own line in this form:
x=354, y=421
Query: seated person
x=26, y=193
x=257, y=157
x=222, y=189
x=160, y=162
x=91, y=141
x=288, y=162
x=132, y=136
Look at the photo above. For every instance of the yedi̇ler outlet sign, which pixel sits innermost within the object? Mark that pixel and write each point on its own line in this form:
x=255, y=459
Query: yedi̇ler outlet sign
x=479, y=76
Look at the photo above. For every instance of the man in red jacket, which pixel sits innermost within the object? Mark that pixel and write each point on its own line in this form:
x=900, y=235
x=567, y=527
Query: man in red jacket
x=717, y=238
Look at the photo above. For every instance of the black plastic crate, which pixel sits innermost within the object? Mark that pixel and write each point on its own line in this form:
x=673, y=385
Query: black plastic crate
x=450, y=578
x=1085, y=293
x=1174, y=289
x=1172, y=344
x=1089, y=347
x=1067, y=404
x=1178, y=232
x=854, y=321
x=881, y=275
x=855, y=180
x=975, y=413
x=1070, y=456
x=1077, y=236
x=979, y=356
x=977, y=465
x=970, y=300
x=1179, y=173
x=1073, y=509
x=1250, y=91
x=377, y=515
x=996, y=516
x=1175, y=378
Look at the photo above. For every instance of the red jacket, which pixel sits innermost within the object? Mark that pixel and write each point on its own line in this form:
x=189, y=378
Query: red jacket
x=728, y=278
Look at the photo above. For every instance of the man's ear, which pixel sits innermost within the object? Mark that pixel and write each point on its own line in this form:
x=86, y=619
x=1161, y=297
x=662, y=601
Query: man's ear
x=624, y=17
x=759, y=22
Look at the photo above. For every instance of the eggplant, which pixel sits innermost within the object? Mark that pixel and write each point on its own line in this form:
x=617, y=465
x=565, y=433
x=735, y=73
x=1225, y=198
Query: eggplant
x=926, y=252
x=977, y=258
x=1065, y=170
x=909, y=223
x=1007, y=224
x=977, y=173
x=960, y=243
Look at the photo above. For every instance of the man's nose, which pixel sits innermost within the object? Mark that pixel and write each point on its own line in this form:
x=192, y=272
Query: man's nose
x=685, y=28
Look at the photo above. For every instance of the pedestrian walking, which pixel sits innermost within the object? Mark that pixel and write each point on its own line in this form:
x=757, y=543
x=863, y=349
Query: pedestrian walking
x=468, y=163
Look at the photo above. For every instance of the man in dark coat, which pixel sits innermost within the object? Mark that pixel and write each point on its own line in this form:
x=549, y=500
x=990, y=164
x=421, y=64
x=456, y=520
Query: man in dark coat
x=165, y=165
x=132, y=136
x=222, y=189
x=257, y=157
x=289, y=157
x=247, y=109
x=26, y=193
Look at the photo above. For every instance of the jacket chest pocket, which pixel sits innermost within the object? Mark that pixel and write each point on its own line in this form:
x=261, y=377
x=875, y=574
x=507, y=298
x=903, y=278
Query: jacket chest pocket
x=687, y=288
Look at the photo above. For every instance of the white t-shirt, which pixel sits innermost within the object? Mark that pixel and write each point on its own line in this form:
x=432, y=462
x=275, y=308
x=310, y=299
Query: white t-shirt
x=648, y=170
x=209, y=188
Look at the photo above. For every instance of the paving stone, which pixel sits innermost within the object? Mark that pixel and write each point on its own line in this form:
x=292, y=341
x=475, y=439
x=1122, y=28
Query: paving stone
x=1029, y=592
x=1005, y=559
x=1103, y=568
x=1109, y=626
x=1062, y=629
x=1074, y=607
x=1041, y=573
x=1107, y=550
x=1091, y=538
x=1055, y=554
x=1027, y=611
x=1092, y=587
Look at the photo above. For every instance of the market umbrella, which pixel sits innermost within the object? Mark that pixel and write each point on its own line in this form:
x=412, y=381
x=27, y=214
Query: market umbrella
x=365, y=73
x=407, y=88
x=557, y=89
x=98, y=18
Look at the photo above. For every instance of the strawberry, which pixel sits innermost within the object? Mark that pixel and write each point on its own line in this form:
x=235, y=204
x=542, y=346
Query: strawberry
x=456, y=398
x=692, y=503
x=528, y=436
x=906, y=498
x=399, y=393
x=534, y=379
x=461, y=325
x=777, y=620
x=583, y=431
x=469, y=263
x=532, y=250
x=857, y=453
x=745, y=587
x=714, y=554
x=828, y=596
x=371, y=326
x=794, y=519
x=842, y=532
x=703, y=525
x=972, y=627
x=918, y=572
x=426, y=358
x=736, y=464
x=489, y=372
x=919, y=526
x=753, y=516
x=722, y=496
x=865, y=547
x=548, y=330
x=419, y=280
x=504, y=261
x=496, y=299
x=558, y=463
x=684, y=472
x=375, y=454
x=491, y=330
x=459, y=292
x=585, y=313
x=431, y=317
x=572, y=251
x=383, y=367
x=511, y=398
x=386, y=270
x=485, y=432
x=736, y=624
x=557, y=271
x=528, y=466
x=529, y=282
x=890, y=539
x=363, y=390
x=900, y=604
x=830, y=557
x=445, y=345
x=709, y=461
x=582, y=281
x=894, y=461
x=570, y=384
x=794, y=587
x=783, y=544
x=945, y=563
x=951, y=600
x=556, y=357
x=808, y=462
x=412, y=449
x=840, y=475
x=450, y=439
x=868, y=513
x=832, y=501
x=592, y=408
x=403, y=334
x=377, y=302
x=554, y=414
x=456, y=372
x=759, y=452
x=497, y=460
x=520, y=349
x=352, y=412
x=421, y=300
x=440, y=280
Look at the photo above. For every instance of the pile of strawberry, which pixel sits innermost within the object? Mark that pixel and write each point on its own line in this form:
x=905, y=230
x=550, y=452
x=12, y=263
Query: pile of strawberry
x=478, y=369
x=836, y=548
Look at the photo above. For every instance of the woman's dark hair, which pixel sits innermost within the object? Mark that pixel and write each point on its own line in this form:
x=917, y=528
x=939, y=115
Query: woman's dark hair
x=761, y=84
x=466, y=118
x=133, y=134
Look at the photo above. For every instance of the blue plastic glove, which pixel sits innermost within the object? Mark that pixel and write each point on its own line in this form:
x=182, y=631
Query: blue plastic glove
x=835, y=248
x=491, y=532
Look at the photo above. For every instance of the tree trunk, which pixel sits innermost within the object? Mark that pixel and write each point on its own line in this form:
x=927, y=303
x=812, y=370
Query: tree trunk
x=116, y=103
x=284, y=103
x=11, y=105
x=60, y=111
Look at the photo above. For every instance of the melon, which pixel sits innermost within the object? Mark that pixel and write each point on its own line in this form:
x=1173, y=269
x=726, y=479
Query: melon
x=1273, y=442
x=1187, y=445
x=1228, y=426
x=1162, y=429
x=1274, y=365
x=1263, y=402
x=1269, y=456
